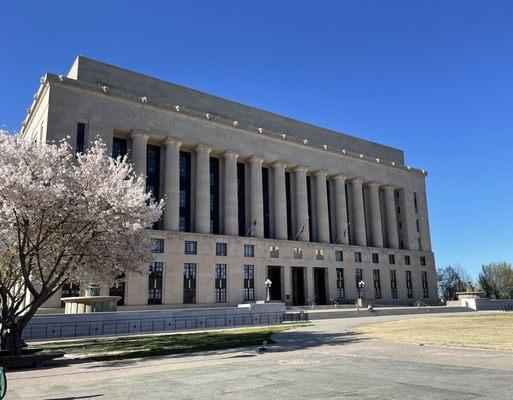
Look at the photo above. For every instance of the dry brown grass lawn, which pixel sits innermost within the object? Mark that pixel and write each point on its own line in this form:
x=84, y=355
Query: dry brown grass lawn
x=487, y=331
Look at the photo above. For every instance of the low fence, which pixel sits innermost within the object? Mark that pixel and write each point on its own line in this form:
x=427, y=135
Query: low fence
x=119, y=323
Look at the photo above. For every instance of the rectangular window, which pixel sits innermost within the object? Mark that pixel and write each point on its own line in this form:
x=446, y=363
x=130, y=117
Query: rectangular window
x=274, y=252
x=393, y=284
x=241, y=170
x=298, y=253
x=265, y=198
x=407, y=260
x=391, y=258
x=358, y=277
x=191, y=247
x=249, y=250
x=185, y=192
x=401, y=244
x=220, y=283
x=153, y=171
x=425, y=290
x=422, y=260
x=375, y=258
x=214, y=195
x=377, y=284
x=155, y=283
x=319, y=254
x=81, y=132
x=189, y=283
x=409, y=285
x=221, y=249
x=70, y=290
x=339, y=255
x=420, y=244
x=418, y=225
x=357, y=257
x=415, y=202
x=157, y=245
x=249, y=282
x=341, y=291
x=118, y=147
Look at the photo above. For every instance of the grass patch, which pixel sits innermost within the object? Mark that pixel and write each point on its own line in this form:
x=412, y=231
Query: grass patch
x=487, y=331
x=122, y=348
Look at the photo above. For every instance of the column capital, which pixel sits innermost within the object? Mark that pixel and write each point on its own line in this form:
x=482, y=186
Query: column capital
x=139, y=134
x=256, y=159
x=279, y=164
x=202, y=148
x=388, y=186
x=230, y=153
x=321, y=173
x=170, y=140
x=357, y=180
x=301, y=168
x=374, y=184
x=340, y=177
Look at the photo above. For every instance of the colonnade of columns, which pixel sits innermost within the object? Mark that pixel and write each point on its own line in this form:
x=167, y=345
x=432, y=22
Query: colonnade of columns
x=354, y=226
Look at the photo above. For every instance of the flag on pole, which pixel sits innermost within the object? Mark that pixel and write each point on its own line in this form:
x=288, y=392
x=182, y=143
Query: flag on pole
x=299, y=232
x=252, y=229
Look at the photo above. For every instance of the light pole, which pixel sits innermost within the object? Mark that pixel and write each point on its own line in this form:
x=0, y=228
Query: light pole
x=361, y=287
x=268, y=285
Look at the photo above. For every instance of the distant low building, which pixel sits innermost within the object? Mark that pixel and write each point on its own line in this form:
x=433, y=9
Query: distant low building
x=250, y=195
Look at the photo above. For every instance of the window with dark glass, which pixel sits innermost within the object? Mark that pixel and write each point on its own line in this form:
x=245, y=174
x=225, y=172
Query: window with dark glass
x=409, y=285
x=81, y=132
x=425, y=289
x=189, y=283
x=419, y=243
x=155, y=282
x=249, y=282
x=298, y=253
x=407, y=260
x=415, y=202
x=274, y=251
x=157, y=245
x=185, y=192
x=191, y=247
x=214, y=195
x=153, y=170
x=375, y=258
x=357, y=257
x=319, y=254
x=393, y=284
x=341, y=291
x=357, y=279
x=220, y=283
x=391, y=258
x=241, y=192
x=70, y=290
x=401, y=244
x=249, y=250
x=221, y=249
x=119, y=147
x=418, y=225
x=309, y=201
x=422, y=260
x=377, y=284
x=339, y=255
x=288, y=204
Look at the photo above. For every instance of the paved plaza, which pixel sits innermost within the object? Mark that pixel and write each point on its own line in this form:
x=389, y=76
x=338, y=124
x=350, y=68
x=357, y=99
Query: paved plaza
x=315, y=362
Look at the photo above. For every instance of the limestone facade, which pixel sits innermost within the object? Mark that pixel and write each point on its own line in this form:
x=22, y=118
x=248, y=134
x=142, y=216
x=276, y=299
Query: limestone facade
x=316, y=205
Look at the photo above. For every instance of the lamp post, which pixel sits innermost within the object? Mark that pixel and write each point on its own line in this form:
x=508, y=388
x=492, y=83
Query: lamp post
x=268, y=285
x=361, y=287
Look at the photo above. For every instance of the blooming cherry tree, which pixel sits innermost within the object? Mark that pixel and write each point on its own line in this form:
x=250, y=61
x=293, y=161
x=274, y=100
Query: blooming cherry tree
x=65, y=218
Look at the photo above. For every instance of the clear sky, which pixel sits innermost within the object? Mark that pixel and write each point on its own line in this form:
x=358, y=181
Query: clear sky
x=434, y=78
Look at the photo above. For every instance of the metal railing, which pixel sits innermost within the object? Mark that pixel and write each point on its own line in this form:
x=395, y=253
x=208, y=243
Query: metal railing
x=311, y=304
x=421, y=304
x=334, y=302
x=56, y=330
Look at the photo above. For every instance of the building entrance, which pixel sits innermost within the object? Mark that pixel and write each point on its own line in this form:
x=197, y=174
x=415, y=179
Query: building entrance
x=274, y=274
x=320, y=286
x=298, y=286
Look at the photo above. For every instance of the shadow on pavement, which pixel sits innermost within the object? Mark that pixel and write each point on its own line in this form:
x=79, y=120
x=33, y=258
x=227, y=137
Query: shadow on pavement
x=90, y=396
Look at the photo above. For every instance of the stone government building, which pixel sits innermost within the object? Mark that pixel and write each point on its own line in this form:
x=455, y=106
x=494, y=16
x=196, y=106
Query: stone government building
x=250, y=195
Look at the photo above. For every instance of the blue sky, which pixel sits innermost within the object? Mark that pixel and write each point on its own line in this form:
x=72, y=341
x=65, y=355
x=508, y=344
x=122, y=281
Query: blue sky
x=434, y=78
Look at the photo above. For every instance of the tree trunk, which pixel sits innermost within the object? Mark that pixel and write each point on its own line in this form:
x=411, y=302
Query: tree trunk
x=12, y=339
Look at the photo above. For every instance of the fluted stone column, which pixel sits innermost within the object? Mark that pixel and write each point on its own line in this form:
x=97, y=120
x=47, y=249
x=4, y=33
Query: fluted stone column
x=202, y=189
x=375, y=215
x=391, y=218
x=280, y=201
x=341, y=210
x=323, y=223
x=172, y=185
x=138, y=156
x=256, y=197
x=302, y=217
x=231, y=203
x=359, y=214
